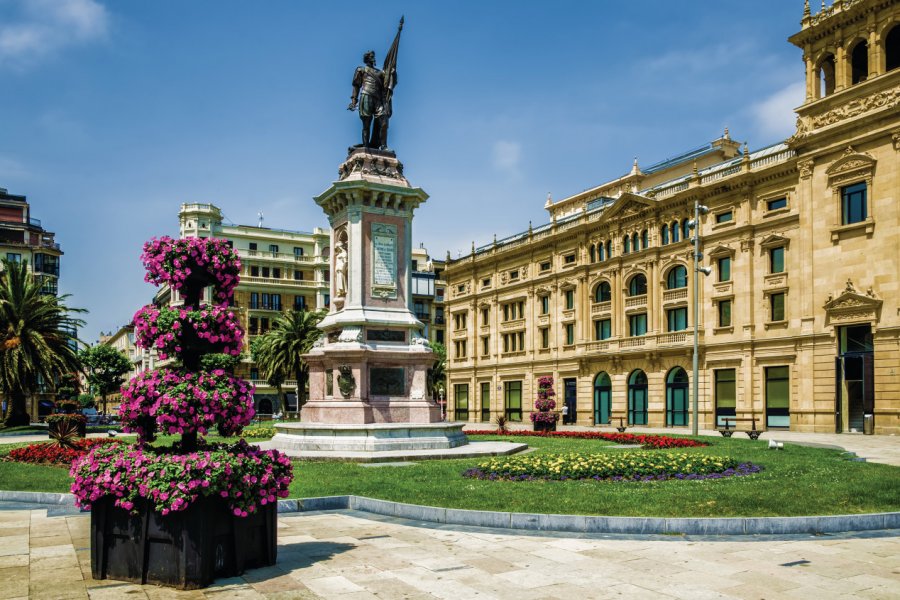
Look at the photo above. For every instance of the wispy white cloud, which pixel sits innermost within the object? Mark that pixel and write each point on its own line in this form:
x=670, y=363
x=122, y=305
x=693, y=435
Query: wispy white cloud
x=775, y=116
x=42, y=28
x=506, y=156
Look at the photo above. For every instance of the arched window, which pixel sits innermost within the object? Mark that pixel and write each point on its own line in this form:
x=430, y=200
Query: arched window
x=603, y=293
x=664, y=234
x=609, y=253
x=593, y=253
x=602, y=399
x=637, y=398
x=638, y=285
x=675, y=231
x=859, y=62
x=677, y=398
x=686, y=229
x=601, y=255
x=635, y=242
x=645, y=239
x=677, y=278
x=626, y=245
x=826, y=76
x=892, y=49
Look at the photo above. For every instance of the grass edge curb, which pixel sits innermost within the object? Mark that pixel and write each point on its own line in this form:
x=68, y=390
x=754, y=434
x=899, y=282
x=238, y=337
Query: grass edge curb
x=559, y=523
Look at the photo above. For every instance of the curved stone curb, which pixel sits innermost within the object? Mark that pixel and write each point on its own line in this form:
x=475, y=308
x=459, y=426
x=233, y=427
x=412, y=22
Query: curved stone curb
x=600, y=524
x=561, y=523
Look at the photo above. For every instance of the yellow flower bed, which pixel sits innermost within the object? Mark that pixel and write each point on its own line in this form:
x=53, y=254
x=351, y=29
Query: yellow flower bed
x=608, y=465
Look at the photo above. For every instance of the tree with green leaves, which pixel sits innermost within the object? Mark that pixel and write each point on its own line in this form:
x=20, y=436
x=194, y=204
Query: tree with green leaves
x=36, y=338
x=273, y=369
x=436, y=372
x=106, y=369
x=282, y=348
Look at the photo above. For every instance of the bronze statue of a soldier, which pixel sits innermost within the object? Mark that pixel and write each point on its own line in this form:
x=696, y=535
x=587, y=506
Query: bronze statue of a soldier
x=373, y=90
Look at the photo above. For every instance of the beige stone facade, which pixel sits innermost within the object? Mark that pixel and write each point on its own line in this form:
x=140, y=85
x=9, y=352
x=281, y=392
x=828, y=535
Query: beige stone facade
x=800, y=315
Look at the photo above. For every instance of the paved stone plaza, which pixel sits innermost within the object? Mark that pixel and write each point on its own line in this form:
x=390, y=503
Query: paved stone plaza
x=356, y=556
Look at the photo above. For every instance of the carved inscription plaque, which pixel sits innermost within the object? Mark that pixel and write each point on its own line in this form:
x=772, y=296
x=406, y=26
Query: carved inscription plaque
x=384, y=260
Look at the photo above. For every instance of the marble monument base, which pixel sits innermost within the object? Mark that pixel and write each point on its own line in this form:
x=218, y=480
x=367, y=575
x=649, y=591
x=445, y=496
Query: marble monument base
x=382, y=442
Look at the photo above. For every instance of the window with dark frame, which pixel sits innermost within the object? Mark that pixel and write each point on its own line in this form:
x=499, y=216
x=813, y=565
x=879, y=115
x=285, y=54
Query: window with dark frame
x=853, y=203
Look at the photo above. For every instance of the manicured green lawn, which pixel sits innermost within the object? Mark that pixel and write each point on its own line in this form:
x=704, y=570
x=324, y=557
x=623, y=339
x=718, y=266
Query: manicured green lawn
x=796, y=481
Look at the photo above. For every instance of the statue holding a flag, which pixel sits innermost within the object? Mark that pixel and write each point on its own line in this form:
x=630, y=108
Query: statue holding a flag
x=373, y=90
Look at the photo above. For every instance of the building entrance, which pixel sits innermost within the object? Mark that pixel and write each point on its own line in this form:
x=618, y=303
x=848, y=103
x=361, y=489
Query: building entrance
x=854, y=378
x=571, y=398
x=602, y=399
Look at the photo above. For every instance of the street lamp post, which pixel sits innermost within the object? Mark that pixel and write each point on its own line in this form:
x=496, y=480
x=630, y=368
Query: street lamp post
x=694, y=224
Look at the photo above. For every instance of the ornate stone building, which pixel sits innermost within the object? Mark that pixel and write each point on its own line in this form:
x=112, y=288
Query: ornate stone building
x=800, y=313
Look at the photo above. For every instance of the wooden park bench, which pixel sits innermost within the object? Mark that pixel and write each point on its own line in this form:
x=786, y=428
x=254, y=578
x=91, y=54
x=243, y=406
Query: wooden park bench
x=753, y=433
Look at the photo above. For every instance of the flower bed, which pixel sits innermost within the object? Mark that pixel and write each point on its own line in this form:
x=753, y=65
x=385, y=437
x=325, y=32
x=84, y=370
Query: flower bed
x=168, y=329
x=627, y=466
x=244, y=475
x=647, y=441
x=174, y=262
x=53, y=454
x=77, y=419
x=184, y=402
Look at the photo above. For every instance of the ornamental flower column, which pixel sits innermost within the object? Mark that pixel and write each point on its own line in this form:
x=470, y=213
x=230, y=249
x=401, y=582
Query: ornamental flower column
x=217, y=502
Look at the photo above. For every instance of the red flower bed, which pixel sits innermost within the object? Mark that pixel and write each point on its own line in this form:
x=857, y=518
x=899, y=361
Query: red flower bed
x=51, y=454
x=645, y=440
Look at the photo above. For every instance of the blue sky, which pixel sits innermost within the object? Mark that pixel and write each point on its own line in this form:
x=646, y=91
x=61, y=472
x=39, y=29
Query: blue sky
x=114, y=113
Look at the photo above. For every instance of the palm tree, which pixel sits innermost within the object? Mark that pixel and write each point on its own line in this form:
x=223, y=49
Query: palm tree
x=271, y=365
x=36, y=338
x=436, y=372
x=282, y=348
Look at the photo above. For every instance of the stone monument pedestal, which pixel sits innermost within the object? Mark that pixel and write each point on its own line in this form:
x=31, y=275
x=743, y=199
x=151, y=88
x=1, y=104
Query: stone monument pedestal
x=368, y=373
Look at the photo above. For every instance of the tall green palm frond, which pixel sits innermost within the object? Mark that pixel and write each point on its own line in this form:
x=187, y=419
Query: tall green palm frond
x=36, y=337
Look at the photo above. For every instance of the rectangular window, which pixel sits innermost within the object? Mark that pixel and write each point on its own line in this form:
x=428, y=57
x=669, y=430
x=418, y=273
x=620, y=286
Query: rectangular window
x=486, y=282
x=252, y=247
x=486, y=346
x=545, y=305
x=263, y=325
x=461, y=404
x=853, y=203
x=298, y=251
x=276, y=273
x=254, y=271
x=724, y=217
x=776, y=203
x=254, y=299
x=276, y=301
x=265, y=271
x=514, y=275
x=776, y=260
x=459, y=320
x=726, y=395
x=298, y=275
x=13, y=257
x=637, y=324
x=486, y=402
x=521, y=336
x=485, y=316
x=602, y=329
x=545, y=266
x=778, y=397
x=265, y=301
x=461, y=349
x=724, y=268
x=253, y=326
x=299, y=302
x=570, y=299
x=545, y=337
x=724, y=313
x=569, y=259
x=512, y=400
x=676, y=319
x=776, y=304
x=570, y=334
x=273, y=248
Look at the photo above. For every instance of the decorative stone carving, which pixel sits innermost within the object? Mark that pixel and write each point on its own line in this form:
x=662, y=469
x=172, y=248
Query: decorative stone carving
x=350, y=335
x=372, y=163
x=880, y=100
x=805, y=167
x=346, y=382
x=851, y=306
x=340, y=268
x=895, y=139
x=320, y=343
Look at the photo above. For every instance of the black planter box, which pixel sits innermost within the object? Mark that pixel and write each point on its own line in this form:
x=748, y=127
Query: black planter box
x=52, y=427
x=545, y=425
x=186, y=549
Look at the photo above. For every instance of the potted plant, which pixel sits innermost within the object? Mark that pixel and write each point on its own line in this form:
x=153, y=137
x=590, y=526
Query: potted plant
x=72, y=423
x=184, y=514
x=545, y=418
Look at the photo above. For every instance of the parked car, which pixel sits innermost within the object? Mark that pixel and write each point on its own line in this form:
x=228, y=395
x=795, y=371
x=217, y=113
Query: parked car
x=93, y=417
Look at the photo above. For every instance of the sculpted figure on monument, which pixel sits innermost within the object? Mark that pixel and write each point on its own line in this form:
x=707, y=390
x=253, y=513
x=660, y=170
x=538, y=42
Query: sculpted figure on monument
x=340, y=269
x=373, y=91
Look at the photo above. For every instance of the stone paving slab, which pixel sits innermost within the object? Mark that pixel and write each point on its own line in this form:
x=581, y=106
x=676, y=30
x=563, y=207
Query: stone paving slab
x=352, y=555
